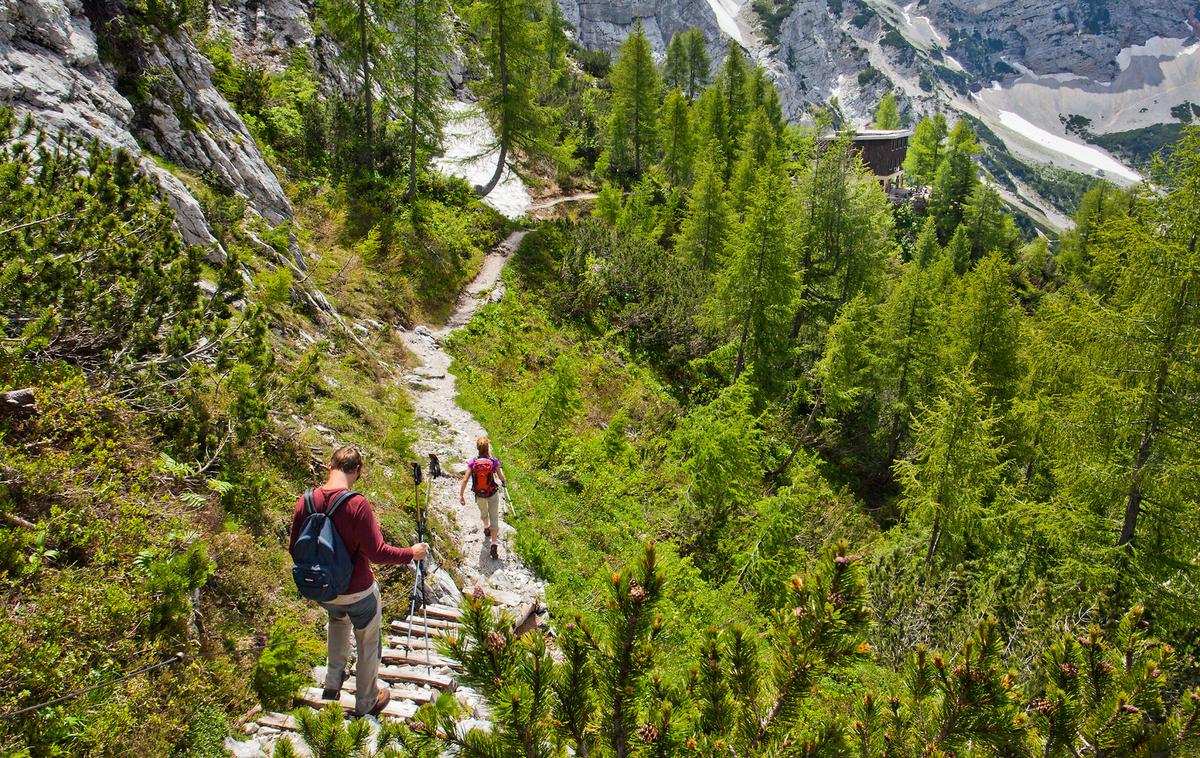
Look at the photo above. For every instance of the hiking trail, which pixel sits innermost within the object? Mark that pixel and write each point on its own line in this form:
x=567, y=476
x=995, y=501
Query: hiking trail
x=448, y=431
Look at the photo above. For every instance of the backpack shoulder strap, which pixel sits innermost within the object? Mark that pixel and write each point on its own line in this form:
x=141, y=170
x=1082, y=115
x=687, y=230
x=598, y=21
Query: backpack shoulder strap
x=309, y=506
x=339, y=501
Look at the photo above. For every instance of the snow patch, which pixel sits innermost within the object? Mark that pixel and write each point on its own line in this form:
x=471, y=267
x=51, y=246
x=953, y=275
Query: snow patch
x=470, y=152
x=1084, y=154
x=1156, y=47
x=727, y=12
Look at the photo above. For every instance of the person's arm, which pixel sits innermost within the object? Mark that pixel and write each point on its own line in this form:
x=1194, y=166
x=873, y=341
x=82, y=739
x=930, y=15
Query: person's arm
x=462, y=490
x=371, y=541
x=500, y=473
x=297, y=523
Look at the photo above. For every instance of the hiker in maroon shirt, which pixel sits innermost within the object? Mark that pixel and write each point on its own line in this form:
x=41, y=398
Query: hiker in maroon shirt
x=360, y=607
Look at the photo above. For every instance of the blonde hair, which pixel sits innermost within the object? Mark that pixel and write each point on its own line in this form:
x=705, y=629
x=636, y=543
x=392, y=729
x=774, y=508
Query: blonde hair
x=484, y=446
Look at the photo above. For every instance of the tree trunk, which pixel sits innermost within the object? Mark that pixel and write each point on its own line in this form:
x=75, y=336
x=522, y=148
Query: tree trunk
x=504, y=125
x=369, y=157
x=411, y=192
x=934, y=536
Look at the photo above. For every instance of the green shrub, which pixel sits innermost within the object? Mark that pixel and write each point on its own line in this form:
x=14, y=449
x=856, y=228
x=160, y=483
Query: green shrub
x=274, y=287
x=281, y=669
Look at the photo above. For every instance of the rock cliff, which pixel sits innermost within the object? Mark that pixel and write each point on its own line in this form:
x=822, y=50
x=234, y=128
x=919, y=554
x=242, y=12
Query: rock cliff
x=51, y=68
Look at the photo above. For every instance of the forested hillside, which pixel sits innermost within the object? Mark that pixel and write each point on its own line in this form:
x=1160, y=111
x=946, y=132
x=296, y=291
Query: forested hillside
x=807, y=472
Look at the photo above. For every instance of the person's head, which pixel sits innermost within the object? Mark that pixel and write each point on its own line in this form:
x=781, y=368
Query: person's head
x=348, y=461
x=484, y=447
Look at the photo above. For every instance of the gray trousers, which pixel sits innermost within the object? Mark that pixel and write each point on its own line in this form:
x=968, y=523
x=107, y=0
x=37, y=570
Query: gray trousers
x=362, y=612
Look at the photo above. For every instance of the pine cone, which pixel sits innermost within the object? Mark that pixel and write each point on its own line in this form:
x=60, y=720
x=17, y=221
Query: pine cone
x=649, y=733
x=1069, y=670
x=495, y=642
x=637, y=593
x=477, y=593
x=417, y=726
x=1127, y=708
x=837, y=600
x=1043, y=706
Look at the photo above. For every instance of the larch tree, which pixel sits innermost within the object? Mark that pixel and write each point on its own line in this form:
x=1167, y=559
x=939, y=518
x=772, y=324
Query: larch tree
x=637, y=90
x=988, y=226
x=731, y=80
x=363, y=31
x=712, y=128
x=926, y=148
x=699, y=64
x=675, y=135
x=705, y=227
x=955, y=180
x=422, y=44
x=887, y=115
x=1129, y=437
x=508, y=90
x=758, y=287
x=955, y=463
x=984, y=329
x=675, y=69
x=907, y=347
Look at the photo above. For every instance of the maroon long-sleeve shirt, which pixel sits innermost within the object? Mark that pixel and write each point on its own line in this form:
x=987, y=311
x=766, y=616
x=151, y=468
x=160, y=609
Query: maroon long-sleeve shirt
x=355, y=523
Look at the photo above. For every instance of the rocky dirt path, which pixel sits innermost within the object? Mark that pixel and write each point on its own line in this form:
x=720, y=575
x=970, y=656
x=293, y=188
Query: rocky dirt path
x=450, y=432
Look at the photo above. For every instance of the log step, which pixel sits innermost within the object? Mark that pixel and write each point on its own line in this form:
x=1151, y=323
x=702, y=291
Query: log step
x=444, y=612
x=414, y=641
x=415, y=694
x=433, y=622
x=399, y=656
x=417, y=629
x=419, y=675
x=397, y=709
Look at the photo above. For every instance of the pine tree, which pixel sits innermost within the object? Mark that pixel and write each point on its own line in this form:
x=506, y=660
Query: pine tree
x=705, y=227
x=758, y=287
x=419, y=91
x=508, y=90
x=756, y=143
x=926, y=148
x=556, y=39
x=887, y=115
x=676, y=138
x=699, y=65
x=927, y=249
x=636, y=96
x=955, y=180
x=763, y=94
x=675, y=70
x=955, y=463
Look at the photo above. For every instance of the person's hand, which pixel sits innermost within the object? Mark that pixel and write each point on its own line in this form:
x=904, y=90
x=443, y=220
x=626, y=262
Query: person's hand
x=462, y=499
x=420, y=551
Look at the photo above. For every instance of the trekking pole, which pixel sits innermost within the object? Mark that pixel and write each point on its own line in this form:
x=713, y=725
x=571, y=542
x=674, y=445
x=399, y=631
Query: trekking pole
x=512, y=506
x=418, y=567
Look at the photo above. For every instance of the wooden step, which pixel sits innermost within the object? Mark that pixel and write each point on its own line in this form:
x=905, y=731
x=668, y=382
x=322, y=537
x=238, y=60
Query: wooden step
x=433, y=622
x=417, y=629
x=399, y=656
x=415, y=674
x=397, y=709
x=444, y=612
x=399, y=692
x=414, y=641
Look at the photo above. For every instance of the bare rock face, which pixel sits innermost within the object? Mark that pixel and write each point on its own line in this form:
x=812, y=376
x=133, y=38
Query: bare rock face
x=604, y=24
x=817, y=60
x=1081, y=37
x=265, y=31
x=50, y=68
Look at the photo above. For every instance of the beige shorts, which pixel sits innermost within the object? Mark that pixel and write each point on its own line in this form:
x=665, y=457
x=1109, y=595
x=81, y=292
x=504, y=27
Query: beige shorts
x=489, y=509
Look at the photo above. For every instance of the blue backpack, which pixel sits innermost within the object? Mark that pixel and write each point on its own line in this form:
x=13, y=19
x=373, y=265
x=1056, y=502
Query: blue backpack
x=321, y=566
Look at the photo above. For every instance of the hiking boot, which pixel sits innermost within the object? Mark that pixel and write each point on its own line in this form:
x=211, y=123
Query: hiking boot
x=334, y=693
x=495, y=552
x=381, y=700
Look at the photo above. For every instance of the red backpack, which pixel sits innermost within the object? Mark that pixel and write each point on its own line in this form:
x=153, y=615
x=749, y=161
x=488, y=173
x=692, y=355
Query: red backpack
x=483, y=476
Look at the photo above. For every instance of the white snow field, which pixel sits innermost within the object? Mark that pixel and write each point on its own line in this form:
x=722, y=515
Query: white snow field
x=1103, y=163
x=471, y=154
x=727, y=13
